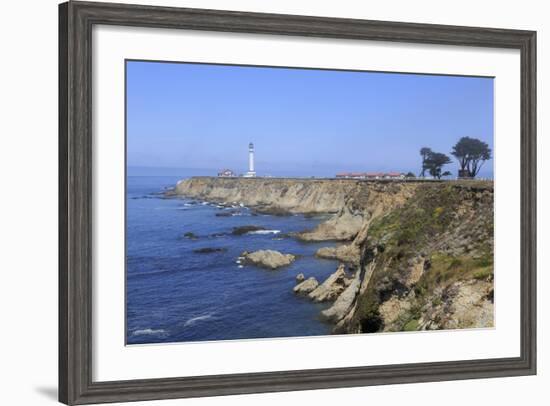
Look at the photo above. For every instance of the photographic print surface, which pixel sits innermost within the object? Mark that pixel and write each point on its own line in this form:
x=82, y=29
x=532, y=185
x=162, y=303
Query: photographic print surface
x=267, y=202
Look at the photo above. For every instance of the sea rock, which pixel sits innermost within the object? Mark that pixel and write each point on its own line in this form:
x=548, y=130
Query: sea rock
x=209, y=250
x=228, y=213
x=305, y=287
x=268, y=258
x=332, y=287
x=245, y=229
x=300, y=277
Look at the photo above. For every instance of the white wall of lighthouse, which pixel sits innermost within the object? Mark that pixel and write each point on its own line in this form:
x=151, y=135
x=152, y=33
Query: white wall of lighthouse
x=251, y=172
x=250, y=157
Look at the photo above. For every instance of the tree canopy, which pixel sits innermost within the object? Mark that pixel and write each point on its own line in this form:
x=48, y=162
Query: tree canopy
x=424, y=152
x=471, y=154
x=434, y=163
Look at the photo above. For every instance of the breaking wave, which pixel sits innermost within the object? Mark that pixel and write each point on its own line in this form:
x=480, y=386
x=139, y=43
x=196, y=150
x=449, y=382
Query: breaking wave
x=264, y=232
x=193, y=320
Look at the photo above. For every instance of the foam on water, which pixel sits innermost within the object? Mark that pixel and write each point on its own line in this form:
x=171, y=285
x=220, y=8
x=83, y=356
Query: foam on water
x=263, y=232
x=148, y=331
x=193, y=320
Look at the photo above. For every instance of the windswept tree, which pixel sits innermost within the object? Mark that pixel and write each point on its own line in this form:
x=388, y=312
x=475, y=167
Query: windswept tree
x=424, y=152
x=471, y=154
x=434, y=163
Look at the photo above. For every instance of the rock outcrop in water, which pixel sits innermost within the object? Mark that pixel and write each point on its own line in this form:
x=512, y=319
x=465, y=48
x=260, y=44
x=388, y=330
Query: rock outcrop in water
x=343, y=304
x=332, y=287
x=191, y=236
x=209, y=250
x=307, y=286
x=246, y=229
x=422, y=251
x=267, y=258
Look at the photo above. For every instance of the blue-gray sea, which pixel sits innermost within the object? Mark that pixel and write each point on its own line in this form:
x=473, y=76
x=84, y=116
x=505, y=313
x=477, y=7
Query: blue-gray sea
x=174, y=294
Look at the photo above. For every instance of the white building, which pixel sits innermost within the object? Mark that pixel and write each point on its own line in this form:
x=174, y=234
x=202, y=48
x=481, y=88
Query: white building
x=251, y=172
x=226, y=173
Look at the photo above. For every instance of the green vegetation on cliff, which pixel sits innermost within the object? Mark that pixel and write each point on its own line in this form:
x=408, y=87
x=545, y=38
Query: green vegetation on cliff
x=441, y=236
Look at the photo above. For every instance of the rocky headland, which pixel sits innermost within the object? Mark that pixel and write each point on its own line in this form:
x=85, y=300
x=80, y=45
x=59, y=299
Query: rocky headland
x=413, y=255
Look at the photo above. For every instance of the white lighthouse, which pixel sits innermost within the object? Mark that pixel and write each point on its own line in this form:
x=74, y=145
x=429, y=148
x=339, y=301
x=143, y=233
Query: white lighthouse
x=251, y=172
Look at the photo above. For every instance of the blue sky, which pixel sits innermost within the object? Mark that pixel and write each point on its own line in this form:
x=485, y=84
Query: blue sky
x=302, y=122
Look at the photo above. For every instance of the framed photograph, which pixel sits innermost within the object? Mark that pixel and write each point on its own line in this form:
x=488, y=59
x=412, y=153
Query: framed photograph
x=259, y=202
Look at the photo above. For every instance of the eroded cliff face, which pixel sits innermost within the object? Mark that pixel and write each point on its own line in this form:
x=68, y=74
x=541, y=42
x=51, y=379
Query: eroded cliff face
x=420, y=253
x=428, y=263
x=272, y=195
x=354, y=203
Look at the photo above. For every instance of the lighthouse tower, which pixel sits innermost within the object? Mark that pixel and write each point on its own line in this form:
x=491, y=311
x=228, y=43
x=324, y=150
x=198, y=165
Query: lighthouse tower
x=251, y=173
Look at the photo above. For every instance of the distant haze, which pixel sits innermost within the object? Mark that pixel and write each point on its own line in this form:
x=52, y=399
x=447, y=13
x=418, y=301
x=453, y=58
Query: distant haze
x=302, y=122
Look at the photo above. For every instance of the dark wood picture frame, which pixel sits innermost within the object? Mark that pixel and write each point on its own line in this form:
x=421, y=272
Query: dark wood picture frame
x=76, y=20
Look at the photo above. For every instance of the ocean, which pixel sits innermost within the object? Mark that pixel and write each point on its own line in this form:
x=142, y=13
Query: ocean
x=174, y=294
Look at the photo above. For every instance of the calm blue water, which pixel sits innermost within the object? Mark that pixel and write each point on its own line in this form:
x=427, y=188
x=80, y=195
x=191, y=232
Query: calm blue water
x=176, y=295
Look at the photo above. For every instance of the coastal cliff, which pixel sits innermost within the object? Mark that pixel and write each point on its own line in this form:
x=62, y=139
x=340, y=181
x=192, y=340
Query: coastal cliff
x=274, y=195
x=427, y=264
x=421, y=253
